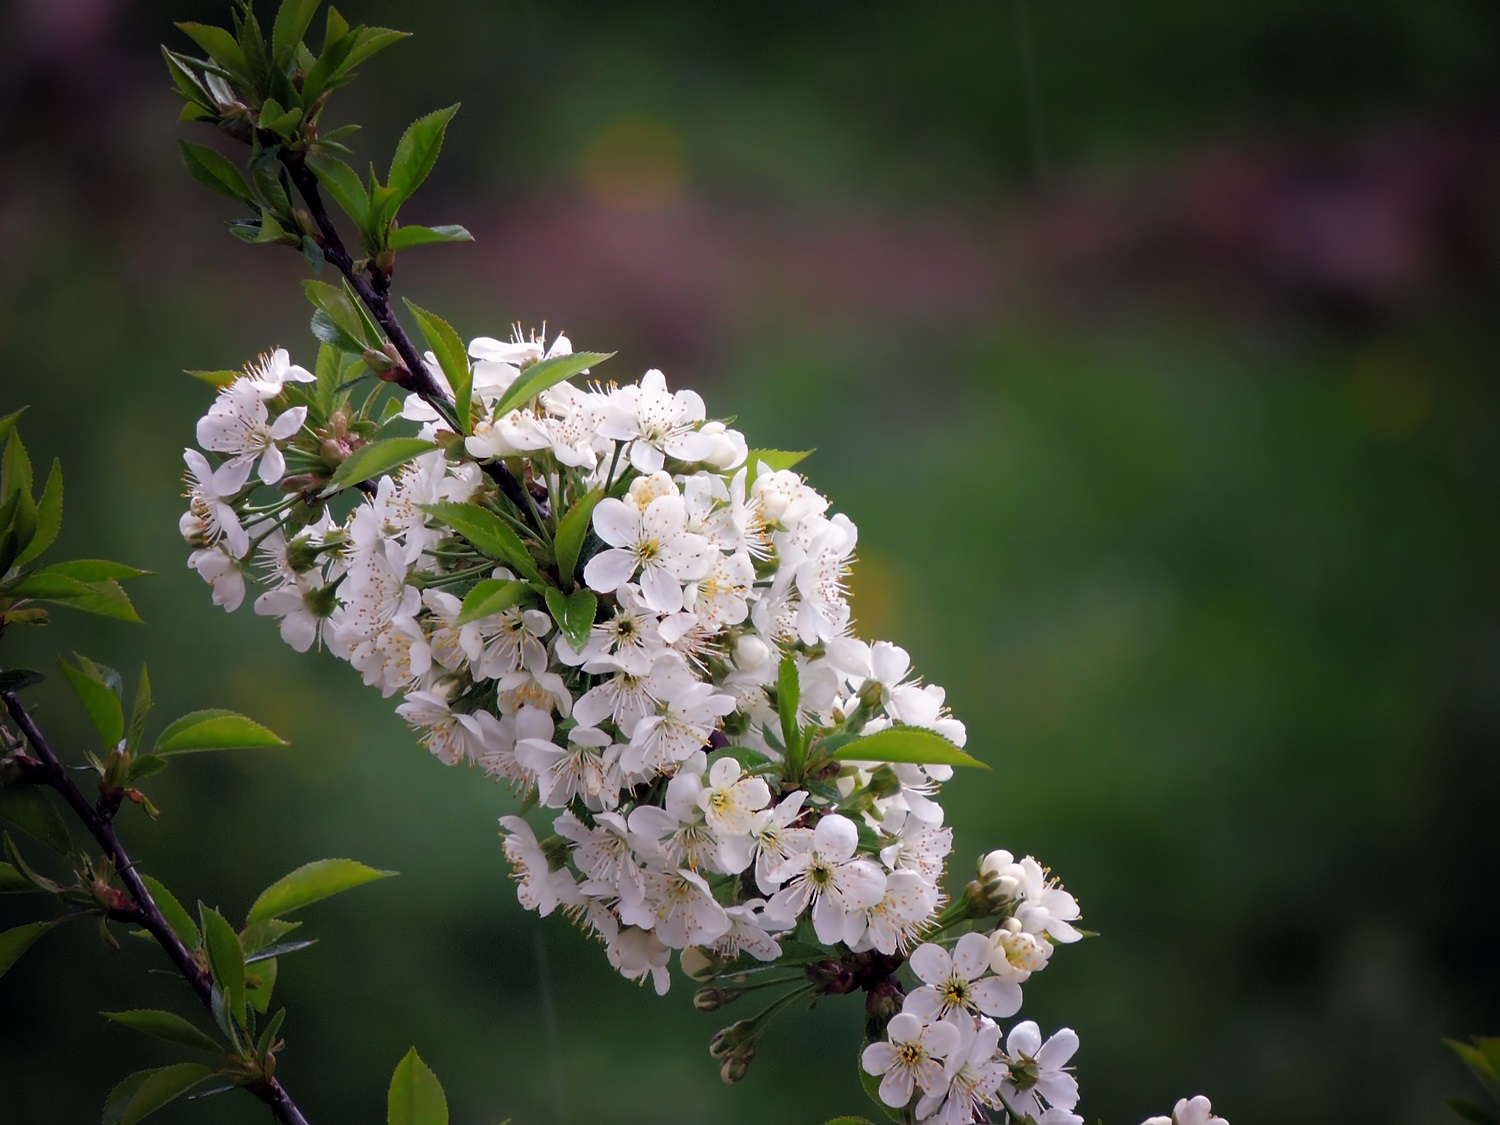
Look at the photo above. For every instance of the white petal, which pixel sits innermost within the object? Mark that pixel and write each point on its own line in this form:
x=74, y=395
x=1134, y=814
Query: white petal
x=617, y=523
x=609, y=570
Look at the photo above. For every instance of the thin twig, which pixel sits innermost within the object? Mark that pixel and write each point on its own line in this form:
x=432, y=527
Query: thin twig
x=47, y=767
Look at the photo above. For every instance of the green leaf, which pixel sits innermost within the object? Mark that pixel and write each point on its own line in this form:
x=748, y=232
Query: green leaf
x=493, y=595
x=417, y=151
x=404, y=238
x=226, y=960
x=262, y=935
x=774, y=459
x=220, y=45
x=375, y=459
x=17, y=679
x=18, y=863
x=215, y=172
x=367, y=41
x=1472, y=1112
x=177, y=918
x=154, y=1089
x=1480, y=1065
x=344, y=185
x=260, y=982
x=870, y=1083
x=61, y=583
x=546, y=373
x=139, y=710
x=416, y=1096
x=30, y=810
x=572, y=530
x=15, y=942
x=906, y=744
x=48, y=516
x=168, y=1027
x=453, y=358
x=13, y=882
x=215, y=730
x=281, y=949
x=8, y=423
x=311, y=883
x=574, y=614
x=268, y=1036
x=292, y=21
x=94, y=570
x=102, y=704
x=788, y=697
x=338, y=310
x=489, y=534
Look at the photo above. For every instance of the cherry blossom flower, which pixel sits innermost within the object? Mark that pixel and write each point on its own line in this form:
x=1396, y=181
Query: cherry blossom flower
x=908, y=1058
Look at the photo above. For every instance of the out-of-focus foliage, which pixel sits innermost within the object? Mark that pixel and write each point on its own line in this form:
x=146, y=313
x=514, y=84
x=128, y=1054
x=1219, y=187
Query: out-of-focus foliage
x=1150, y=351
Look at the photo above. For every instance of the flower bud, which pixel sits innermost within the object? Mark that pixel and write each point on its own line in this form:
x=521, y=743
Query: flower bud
x=728, y=1040
x=699, y=964
x=712, y=999
x=737, y=1065
x=729, y=448
x=750, y=652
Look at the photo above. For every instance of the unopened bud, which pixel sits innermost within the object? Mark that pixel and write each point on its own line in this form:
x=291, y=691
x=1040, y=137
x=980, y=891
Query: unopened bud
x=712, y=999
x=870, y=695
x=737, y=1065
x=699, y=964
x=378, y=361
x=729, y=1039
x=751, y=652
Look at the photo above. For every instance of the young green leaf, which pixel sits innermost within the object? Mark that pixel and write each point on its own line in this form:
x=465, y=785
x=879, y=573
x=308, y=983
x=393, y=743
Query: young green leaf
x=34, y=879
x=168, y=1027
x=367, y=41
x=268, y=1036
x=154, y=1089
x=416, y=1096
x=376, y=458
x=339, y=312
x=215, y=172
x=17, y=679
x=292, y=20
x=225, y=959
x=546, y=373
x=139, y=710
x=220, y=45
x=12, y=882
x=343, y=183
x=311, y=883
x=102, y=704
x=15, y=942
x=1480, y=1065
x=281, y=949
x=417, y=151
x=48, y=517
x=574, y=614
x=215, y=730
x=260, y=982
x=32, y=811
x=262, y=935
x=788, y=697
x=491, y=596
x=572, y=530
x=404, y=238
x=177, y=917
x=453, y=358
x=94, y=570
x=906, y=744
x=774, y=460
x=489, y=534
x=8, y=423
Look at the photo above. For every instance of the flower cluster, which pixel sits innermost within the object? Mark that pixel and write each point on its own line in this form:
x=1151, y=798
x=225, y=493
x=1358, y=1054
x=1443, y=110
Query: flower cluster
x=606, y=600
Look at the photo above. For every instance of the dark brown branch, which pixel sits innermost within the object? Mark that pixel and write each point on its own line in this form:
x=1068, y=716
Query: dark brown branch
x=48, y=769
x=373, y=287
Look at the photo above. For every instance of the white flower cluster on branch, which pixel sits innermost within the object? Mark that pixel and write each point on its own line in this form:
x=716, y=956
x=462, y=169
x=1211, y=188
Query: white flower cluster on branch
x=647, y=636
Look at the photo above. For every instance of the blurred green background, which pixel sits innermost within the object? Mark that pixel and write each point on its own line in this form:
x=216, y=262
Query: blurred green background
x=1150, y=346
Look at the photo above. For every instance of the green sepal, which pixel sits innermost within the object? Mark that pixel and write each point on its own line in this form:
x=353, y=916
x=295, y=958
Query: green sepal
x=167, y=1027
x=546, y=373
x=311, y=883
x=572, y=530
x=574, y=614
x=491, y=596
x=416, y=1096
x=33, y=878
x=215, y=730
x=489, y=534
x=374, y=459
